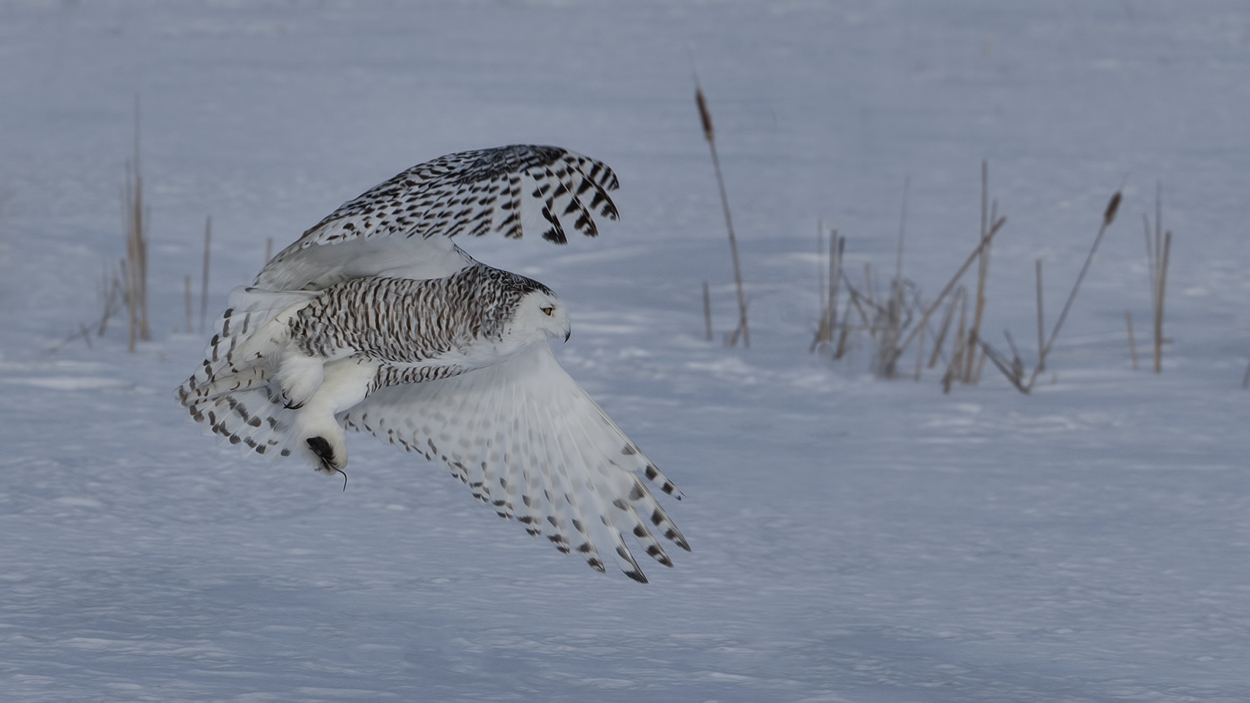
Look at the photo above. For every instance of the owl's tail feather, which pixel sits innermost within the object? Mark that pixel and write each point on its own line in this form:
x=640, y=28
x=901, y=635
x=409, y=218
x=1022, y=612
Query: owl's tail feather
x=230, y=393
x=249, y=418
x=253, y=329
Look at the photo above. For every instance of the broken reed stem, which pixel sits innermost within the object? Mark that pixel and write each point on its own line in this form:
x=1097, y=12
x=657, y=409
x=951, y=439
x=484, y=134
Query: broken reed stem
x=924, y=318
x=1159, y=297
x=710, y=134
x=1132, y=343
x=208, y=241
x=1107, y=218
x=707, y=310
x=268, y=250
x=186, y=280
x=1245, y=380
x=1041, y=323
x=940, y=339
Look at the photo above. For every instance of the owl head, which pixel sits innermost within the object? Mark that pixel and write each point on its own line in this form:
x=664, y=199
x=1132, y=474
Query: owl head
x=540, y=311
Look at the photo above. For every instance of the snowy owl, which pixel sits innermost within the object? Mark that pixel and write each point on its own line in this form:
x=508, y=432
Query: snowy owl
x=375, y=320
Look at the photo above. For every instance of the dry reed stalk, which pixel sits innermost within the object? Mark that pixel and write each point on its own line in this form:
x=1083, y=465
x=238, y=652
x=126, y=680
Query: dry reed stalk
x=1041, y=320
x=186, y=280
x=109, y=289
x=268, y=250
x=940, y=339
x=1014, y=372
x=820, y=257
x=208, y=241
x=136, y=250
x=976, y=373
x=983, y=268
x=1157, y=255
x=920, y=354
x=1108, y=217
x=837, y=246
x=710, y=135
x=829, y=295
x=707, y=310
x=869, y=285
x=1132, y=343
x=890, y=351
x=958, y=354
x=824, y=331
x=1159, y=298
x=924, y=318
x=840, y=351
x=1150, y=260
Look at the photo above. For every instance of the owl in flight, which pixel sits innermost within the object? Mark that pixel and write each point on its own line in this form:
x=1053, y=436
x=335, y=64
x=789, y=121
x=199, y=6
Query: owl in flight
x=375, y=320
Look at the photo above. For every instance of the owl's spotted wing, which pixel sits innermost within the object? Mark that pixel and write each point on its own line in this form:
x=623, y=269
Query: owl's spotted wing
x=402, y=221
x=525, y=438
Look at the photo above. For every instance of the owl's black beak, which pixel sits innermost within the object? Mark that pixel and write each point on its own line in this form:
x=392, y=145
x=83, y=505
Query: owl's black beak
x=567, y=335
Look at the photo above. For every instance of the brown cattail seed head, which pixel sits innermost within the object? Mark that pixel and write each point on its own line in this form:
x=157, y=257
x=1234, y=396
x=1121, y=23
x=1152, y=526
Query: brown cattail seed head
x=704, y=115
x=1109, y=216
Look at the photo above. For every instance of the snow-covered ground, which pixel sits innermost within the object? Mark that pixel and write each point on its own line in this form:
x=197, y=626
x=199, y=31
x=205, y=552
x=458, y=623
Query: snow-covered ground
x=854, y=539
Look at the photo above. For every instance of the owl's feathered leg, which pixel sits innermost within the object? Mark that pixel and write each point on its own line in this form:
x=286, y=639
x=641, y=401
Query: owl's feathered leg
x=319, y=436
x=299, y=377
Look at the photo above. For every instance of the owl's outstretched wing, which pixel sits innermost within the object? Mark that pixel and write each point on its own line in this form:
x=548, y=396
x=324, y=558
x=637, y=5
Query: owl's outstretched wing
x=525, y=438
x=409, y=220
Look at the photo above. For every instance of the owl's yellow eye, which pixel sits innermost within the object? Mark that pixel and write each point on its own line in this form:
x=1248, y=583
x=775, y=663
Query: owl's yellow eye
x=548, y=309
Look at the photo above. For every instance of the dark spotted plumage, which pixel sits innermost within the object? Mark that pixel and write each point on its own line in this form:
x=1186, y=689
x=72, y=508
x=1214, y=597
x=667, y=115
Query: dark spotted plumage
x=468, y=193
x=406, y=321
x=375, y=321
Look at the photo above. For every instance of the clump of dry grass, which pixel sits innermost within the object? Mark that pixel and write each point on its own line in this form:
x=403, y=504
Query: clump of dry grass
x=1013, y=367
x=893, y=322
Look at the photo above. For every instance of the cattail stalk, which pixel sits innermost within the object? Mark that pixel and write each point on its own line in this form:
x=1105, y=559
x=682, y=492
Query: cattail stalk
x=1107, y=218
x=710, y=135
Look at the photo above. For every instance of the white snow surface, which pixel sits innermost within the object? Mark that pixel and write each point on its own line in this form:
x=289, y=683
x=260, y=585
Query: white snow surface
x=854, y=539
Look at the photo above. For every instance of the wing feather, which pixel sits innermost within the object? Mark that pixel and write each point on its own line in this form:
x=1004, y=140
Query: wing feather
x=527, y=439
x=401, y=226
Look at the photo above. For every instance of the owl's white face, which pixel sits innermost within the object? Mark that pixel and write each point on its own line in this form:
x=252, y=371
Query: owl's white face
x=540, y=312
